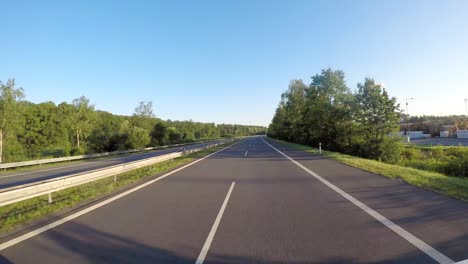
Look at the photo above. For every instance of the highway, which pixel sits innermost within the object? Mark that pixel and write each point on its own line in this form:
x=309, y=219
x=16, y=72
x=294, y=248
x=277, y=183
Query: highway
x=14, y=178
x=256, y=201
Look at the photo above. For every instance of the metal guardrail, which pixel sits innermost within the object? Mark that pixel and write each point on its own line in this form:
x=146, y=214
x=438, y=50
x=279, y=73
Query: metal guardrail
x=88, y=156
x=31, y=190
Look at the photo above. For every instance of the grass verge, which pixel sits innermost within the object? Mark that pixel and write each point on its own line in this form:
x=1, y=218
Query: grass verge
x=437, y=182
x=23, y=212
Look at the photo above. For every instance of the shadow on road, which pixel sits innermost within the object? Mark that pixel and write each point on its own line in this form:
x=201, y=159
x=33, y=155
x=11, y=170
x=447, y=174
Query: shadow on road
x=78, y=243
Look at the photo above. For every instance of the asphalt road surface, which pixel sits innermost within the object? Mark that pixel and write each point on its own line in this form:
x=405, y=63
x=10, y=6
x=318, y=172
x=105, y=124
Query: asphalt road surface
x=14, y=178
x=249, y=203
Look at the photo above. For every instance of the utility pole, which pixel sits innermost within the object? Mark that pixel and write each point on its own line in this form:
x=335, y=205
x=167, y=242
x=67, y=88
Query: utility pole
x=407, y=117
x=466, y=107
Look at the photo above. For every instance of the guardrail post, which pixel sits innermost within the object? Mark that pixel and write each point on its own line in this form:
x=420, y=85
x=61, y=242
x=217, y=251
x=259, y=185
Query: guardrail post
x=115, y=178
x=50, y=198
x=320, y=148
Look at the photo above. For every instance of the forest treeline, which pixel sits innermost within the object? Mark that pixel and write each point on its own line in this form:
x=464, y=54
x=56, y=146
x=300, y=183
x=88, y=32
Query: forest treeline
x=359, y=123
x=434, y=124
x=32, y=131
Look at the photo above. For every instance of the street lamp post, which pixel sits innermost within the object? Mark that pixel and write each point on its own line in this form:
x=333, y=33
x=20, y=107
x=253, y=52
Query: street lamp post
x=407, y=117
x=466, y=107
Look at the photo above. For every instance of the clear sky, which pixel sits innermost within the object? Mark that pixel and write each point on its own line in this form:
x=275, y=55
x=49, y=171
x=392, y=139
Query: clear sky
x=229, y=61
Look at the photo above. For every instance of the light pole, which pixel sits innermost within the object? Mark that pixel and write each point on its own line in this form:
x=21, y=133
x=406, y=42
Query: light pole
x=466, y=107
x=407, y=116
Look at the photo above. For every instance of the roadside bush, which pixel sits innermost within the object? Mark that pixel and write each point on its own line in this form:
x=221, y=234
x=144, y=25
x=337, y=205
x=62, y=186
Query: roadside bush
x=457, y=167
x=411, y=153
x=76, y=151
x=451, y=161
x=426, y=164
x=390, y=150
x=54, y=153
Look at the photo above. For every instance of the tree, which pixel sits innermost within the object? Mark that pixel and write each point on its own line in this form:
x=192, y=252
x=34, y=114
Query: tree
x=276, y=128
x=32, y=136
x=160, y=134
x=30, y=131
x=328, y=112
x=144, y=109
x=132, y=137
x=137, y=138
x=378, y=119
x=81, y=118
x=105, y=134
x=10, y=95
x=143, y=116
x=294, y=100
x=174, y=135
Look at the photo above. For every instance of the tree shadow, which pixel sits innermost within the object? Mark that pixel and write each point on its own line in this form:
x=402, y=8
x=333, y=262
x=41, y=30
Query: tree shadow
x=65, y=243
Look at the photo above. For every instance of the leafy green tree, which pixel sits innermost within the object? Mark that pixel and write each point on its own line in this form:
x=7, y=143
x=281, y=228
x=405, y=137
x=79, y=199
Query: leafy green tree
x=377, y=117
x=328, y=112
x=138, y=138
x=30, y=131
x=143, y=116
x=32, y=136
x=174, y=135
x=10, y=95
x=160, y=134
x=277, y=127
x=132, y=137
x=294, y=108
x=81, y=119
x=105, y=134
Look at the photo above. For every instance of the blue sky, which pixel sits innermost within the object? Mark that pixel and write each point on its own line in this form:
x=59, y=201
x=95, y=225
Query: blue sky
x=229, y=61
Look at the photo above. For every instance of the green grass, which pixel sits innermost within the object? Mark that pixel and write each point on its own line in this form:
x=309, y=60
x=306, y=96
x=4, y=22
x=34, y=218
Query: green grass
x=23, y=212
x=440, y=183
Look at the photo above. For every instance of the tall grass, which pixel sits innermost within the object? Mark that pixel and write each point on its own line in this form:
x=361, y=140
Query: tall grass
x=451, y=161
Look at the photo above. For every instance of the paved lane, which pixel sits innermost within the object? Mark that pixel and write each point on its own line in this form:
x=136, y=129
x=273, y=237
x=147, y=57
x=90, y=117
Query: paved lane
x=438, y=220
x=13, y=178
x=276, y=213
x=279, y=214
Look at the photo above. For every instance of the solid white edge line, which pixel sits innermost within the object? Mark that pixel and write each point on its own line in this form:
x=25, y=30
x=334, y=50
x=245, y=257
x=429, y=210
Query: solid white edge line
x=209, y=239
x=463, y=262
x=40, y=230
x=432, y=252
